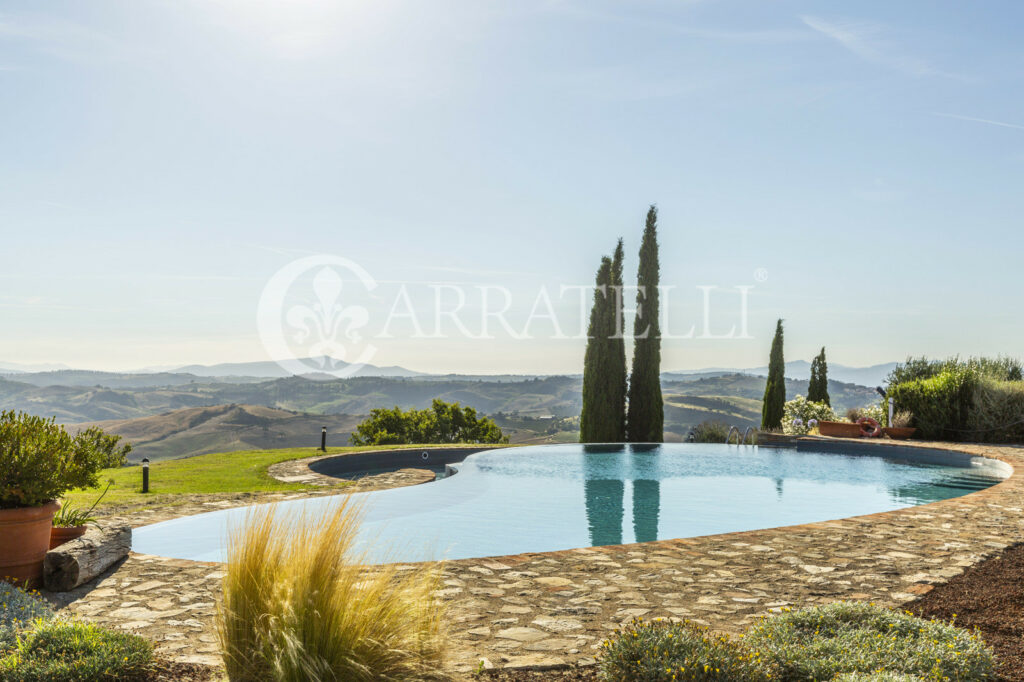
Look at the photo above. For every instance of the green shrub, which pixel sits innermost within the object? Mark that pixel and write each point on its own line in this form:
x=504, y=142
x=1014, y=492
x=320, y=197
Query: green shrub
x=798, y=412
x=662, y=651
x=819, y=643
x=710, y=432
x=880, y=676
x=70, y=651
x=977, y=399
x=941, y=404
x=18, y=609
x=40, y=461
x=997, y=369
x=441, y=423
x=108, y=447
x=997, y=414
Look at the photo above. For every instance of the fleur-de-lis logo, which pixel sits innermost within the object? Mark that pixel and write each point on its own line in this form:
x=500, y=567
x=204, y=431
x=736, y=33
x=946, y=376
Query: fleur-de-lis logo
x=327, y=323
x=322, y=336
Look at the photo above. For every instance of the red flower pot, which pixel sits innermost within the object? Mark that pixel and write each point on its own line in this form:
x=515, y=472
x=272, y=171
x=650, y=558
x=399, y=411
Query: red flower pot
x=839, y=429
x=899, y=432
x=59, y=535
x=24, y=541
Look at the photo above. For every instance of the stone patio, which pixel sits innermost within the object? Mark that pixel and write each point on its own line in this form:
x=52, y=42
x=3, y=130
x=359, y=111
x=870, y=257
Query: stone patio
x=554, y=609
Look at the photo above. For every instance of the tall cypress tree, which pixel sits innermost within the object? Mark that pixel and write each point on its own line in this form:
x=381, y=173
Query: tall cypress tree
x=817, y=391
x=597, y=419
x=645, y=421
x=618, y=359
x=775, y=389
x=812, y=386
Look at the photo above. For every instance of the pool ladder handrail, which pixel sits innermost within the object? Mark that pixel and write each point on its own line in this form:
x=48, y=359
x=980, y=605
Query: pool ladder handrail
x=742, y=438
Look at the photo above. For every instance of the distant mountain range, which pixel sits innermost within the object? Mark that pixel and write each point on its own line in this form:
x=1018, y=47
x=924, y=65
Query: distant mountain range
x=797, y=369
x=18, y=368
x=251, y=372
x=874, y=375
x=270, y=369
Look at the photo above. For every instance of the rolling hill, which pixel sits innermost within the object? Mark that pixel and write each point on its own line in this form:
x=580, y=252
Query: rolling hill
x=226, y=428
x=873, y=375
x=219, y=416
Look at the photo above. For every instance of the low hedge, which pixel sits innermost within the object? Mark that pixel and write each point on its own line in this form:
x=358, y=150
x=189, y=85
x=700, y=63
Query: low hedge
x=881, y=676
x=35, y=646
x=710, y=432
x=848, y=641
x=68, y=651
x=976, y=399
x=997, y=414
x=661, y=651
x=941, y=405
x=18, y=610
x=822, y=642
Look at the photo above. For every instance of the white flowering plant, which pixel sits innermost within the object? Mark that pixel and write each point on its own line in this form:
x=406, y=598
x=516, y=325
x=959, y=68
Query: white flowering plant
x=876, y=412
x=800, y=415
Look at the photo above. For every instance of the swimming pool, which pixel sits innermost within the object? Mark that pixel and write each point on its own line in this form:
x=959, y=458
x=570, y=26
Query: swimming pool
x=554, y=497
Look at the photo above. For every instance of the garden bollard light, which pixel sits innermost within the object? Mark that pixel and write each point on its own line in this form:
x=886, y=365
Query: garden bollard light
x=323, y=439
x=145, y=475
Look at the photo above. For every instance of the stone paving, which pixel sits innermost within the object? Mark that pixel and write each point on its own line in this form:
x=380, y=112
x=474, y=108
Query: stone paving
x=553, y=609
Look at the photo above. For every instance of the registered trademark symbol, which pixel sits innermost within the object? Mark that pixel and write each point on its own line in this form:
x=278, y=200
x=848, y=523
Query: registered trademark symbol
x=761, y=275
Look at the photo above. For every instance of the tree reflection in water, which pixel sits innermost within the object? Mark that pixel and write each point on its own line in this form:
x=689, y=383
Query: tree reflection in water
x=605, y=471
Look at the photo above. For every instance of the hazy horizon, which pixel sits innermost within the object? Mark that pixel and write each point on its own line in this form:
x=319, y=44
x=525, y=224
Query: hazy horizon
x=854, y=170
x=7, y=366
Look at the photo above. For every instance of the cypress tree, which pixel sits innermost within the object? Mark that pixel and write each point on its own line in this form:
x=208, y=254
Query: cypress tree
x=618, y=359
x=812, y=386
x=645, y=415
x=817, y=391
x=775, y=389
x=597, y=419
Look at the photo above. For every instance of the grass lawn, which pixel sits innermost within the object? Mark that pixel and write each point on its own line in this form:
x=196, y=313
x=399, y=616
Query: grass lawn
x=227, y=472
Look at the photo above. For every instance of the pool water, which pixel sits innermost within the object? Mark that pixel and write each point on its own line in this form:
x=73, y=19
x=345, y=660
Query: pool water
x=555, y=497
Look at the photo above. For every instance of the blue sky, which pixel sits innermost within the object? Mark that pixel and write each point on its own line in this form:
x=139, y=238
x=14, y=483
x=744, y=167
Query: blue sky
x=160, y=161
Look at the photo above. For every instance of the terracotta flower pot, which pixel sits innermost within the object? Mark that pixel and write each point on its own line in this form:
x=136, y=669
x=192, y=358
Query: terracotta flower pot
x=24, y=541
x=839, y=429
x=60, y=535
x=899, y=432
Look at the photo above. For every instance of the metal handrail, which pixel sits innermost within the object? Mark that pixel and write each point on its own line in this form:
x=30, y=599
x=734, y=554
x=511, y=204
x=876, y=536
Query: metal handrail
x=741, y=439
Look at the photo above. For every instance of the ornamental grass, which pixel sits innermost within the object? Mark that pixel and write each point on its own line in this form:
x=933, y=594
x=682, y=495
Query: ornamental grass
x=299, y=604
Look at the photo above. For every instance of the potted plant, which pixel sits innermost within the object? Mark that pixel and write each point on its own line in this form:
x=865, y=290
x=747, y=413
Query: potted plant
x=839, y=429
x=70, y=523
x=901, y=428
x=39, y=462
